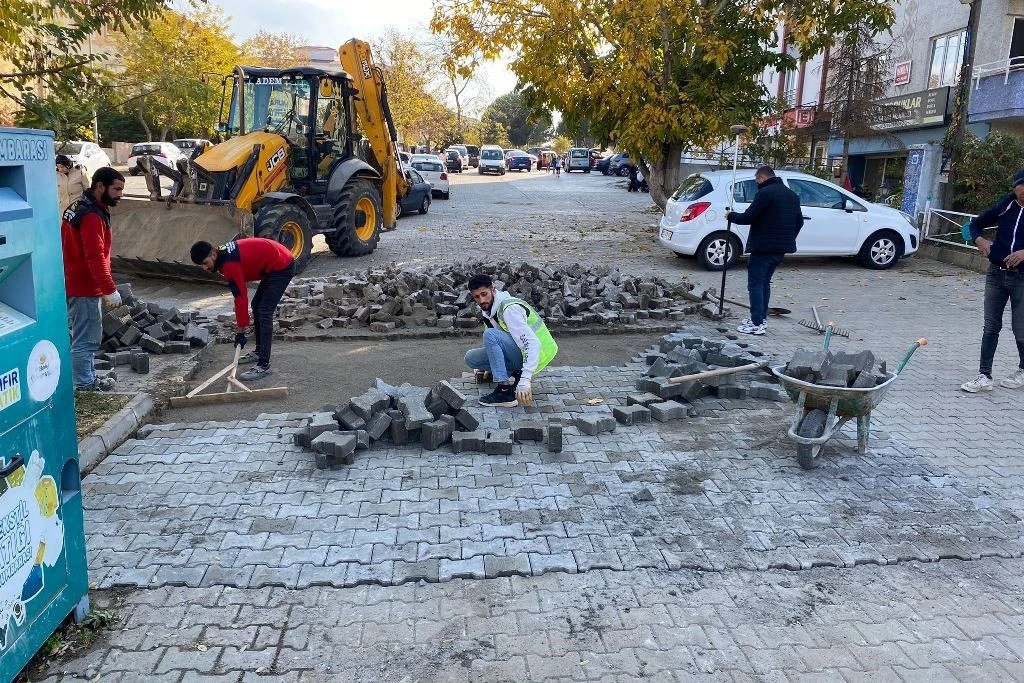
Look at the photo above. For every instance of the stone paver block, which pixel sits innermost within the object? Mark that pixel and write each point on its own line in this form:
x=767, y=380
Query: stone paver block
x=472, y=568
x=643, y=399
x=378, y=424
x=469, y=441
x=450, y=395
x=348, y=419
x=373, y=401
x=503, y=565
x=399, y=432
x=555, y=437
x=414, y=410
x=668, y=410
x=558, y=562
x=591, y=424
x=632, y=414
x=498, y=442
x=435, y=433
x=528, y=430
x=466, y=420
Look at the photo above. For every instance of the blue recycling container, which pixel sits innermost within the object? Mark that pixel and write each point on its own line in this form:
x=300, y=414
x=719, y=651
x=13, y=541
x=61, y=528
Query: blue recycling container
x=43, y=575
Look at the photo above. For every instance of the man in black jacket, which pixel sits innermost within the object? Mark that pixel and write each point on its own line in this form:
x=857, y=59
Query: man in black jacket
x=775, y=220
x=1004, y=282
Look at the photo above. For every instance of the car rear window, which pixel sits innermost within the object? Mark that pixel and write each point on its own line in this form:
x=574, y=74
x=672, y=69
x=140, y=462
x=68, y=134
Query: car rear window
x=491, y=154
x=692, y=189
x=427, y=166
x=581, y=153
x=147, y=149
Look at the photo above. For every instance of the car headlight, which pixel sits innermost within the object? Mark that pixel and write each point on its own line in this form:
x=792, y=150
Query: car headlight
x=910, y=219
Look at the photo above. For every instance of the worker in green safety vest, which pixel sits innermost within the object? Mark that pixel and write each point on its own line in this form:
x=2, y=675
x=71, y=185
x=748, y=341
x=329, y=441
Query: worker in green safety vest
x=517, y=344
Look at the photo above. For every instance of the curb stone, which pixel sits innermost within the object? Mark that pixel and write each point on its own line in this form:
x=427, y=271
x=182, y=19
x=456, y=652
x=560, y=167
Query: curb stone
x=115, y=431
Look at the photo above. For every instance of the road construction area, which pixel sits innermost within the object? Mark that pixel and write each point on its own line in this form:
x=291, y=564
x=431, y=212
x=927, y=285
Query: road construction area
x=564, y=542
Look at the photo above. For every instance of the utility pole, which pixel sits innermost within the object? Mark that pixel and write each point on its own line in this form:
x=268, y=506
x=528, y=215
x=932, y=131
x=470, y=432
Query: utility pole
x=958, y=126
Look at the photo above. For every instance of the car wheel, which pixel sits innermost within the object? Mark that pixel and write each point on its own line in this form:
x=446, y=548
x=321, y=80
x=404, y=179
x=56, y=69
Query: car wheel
x=882, y=250
x=623, y=171
x=503, y=172
x=425, y=206
x=480, y=171
x=398, y=209
x=586, y=170
x=604, y=171
x=712, y=251
x=447, y=195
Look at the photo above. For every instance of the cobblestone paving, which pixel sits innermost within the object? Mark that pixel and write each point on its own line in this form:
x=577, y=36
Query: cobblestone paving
x=244, y=562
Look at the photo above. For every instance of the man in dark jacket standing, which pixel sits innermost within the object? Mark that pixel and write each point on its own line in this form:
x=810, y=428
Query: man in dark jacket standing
x=775, y=220
x=247, y=260
x=1004, y=282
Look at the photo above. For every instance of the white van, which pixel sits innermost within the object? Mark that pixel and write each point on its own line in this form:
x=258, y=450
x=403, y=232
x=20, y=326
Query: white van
x=492, y=160
x=579, y=160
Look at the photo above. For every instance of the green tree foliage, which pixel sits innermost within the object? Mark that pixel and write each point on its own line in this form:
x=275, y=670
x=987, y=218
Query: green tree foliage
x=655, y=76
x=985, y=170
x=70, y=118
x=517, y=119
x=172, y=71
x=280, y=50
x=561, y=144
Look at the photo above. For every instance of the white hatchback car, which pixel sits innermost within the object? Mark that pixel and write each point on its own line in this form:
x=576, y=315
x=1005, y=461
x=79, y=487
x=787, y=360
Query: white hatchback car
x=88, y=155
x=435, y=173
x=836, y=222
x=167, y=153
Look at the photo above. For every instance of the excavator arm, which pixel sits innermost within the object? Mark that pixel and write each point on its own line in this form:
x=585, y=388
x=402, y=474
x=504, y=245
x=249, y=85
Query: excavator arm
x=373, y=112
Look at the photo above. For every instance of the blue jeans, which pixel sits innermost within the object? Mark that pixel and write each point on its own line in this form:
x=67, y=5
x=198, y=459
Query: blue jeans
x=760, y=268
x=264, y=303
x=1002, y=286
x=85, y=316
x=500, y=354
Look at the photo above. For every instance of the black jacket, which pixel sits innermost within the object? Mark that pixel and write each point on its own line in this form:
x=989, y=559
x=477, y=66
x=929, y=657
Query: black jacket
x=1008, y=216
x=774, y=218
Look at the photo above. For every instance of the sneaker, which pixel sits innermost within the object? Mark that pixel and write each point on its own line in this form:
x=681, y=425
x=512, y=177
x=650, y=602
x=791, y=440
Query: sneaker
x=249, y=358
x=748, y=327
x=258, y=372
x=1014, y=381
x=503, y=396
x=979, y=383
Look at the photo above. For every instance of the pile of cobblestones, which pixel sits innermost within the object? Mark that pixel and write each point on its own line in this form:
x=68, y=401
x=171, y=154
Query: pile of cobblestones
x=852, y=370
x=136, y=329
x=388, y=299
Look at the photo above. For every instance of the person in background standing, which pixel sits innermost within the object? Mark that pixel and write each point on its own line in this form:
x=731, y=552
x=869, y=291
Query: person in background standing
x=71, y=182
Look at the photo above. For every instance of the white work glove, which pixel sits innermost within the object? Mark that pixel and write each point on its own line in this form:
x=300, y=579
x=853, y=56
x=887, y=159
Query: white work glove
x=524, y=392
x=112, y=300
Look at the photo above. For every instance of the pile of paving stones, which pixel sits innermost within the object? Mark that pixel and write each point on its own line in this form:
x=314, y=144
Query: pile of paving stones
x=839, y=369
x=390, y=298
x=136, y=329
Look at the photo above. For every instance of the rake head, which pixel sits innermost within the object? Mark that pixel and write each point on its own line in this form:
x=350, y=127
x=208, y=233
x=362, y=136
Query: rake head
x=820, y=329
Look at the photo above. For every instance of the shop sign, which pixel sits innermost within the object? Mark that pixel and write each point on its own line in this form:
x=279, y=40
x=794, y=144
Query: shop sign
x=915, y=110
x=902, y=73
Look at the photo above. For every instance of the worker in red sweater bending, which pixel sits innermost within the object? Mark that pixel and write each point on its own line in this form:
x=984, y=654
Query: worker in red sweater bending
x=248, y=260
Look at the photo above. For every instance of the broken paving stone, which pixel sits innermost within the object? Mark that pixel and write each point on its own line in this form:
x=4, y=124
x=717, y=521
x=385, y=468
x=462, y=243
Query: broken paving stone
x=468, y=441
x=631, y=415
x=528, y=430
x=591, y=424
x=644, y=495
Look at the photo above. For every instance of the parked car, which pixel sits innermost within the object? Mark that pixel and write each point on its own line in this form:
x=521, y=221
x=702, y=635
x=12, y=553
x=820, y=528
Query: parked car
x=453, y=161
x=578, y=160
x=518, y=160
x=426, y=157
x=595, y=156
x=165, y=152
x=188, y=145
x=620, y=165
x=434, y=172
x=474, y=155
x=603, y=164
x=464, y=151
x=492, y=160
x=836, y=222
x=86, y=154
x=418, y=196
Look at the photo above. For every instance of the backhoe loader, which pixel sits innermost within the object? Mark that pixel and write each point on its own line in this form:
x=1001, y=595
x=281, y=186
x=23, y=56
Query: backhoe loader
x=294, y=166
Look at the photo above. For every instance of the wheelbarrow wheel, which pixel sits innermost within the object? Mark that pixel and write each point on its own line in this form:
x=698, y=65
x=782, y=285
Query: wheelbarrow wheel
x=811, y=427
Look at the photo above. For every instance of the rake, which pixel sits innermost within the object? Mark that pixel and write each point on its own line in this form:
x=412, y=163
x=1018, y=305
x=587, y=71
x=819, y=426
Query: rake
x=819, y=328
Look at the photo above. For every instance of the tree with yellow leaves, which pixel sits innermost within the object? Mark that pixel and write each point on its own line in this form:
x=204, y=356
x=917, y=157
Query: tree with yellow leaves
x=656, y=76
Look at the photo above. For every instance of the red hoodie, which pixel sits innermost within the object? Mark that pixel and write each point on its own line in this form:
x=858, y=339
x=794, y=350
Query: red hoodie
x=86, y=241
x=248, y=260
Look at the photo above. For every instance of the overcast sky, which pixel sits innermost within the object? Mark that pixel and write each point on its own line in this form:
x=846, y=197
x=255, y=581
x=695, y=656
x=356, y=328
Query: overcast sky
x=332, y=22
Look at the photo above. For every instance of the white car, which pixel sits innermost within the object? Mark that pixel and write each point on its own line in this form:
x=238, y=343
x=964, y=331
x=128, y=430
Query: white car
x=166, y=152
x=426, y=157
x=86, y=154
x=188, y=145
x=492, y=160
x=836, y=222
x=435, y=173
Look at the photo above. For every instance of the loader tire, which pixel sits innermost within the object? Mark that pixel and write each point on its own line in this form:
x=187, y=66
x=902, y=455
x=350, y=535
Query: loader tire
x=351, y=237
x=289, y=225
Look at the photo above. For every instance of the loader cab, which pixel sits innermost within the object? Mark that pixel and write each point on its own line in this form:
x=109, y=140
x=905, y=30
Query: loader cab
x=310, y=108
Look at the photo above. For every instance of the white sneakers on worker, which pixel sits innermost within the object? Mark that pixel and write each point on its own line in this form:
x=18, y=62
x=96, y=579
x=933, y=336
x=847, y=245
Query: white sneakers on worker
x=748, y=327
x=980, y=383
x=1014, y=381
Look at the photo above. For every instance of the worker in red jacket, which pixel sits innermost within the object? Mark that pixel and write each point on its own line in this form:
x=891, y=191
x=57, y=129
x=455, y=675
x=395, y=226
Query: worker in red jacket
x=247, y=260
x=88, y=284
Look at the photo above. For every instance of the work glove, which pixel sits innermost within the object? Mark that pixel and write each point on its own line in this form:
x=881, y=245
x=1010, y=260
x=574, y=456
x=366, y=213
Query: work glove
x=240, y=340
x=112, y=300
x=524, y=392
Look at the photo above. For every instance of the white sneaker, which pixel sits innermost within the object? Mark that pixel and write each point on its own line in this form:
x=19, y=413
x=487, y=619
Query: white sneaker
x=979, y=383
x=1014, y=381
x=748, y=327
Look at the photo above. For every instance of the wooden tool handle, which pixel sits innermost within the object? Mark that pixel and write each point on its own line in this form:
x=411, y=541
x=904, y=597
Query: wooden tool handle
x=717, y=373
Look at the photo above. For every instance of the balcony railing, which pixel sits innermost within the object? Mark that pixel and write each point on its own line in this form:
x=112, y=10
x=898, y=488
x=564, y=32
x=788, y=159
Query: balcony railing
x=1003, y=66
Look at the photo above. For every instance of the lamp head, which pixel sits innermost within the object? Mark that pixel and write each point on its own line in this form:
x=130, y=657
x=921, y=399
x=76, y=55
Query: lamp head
x=738, y=129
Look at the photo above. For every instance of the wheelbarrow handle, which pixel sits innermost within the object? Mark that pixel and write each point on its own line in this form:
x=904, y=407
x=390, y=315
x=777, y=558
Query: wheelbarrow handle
x=910, y=352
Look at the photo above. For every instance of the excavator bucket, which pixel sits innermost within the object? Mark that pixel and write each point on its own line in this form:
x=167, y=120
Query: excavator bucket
x=152, y=238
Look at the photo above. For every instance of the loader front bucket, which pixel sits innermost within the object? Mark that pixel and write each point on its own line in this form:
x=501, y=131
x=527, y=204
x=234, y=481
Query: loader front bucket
x=152, y=238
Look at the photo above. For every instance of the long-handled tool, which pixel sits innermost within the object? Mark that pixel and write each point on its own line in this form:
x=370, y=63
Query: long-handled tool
x=819, y=328
x=708, y=374
x=235, y=392
x=737, y=130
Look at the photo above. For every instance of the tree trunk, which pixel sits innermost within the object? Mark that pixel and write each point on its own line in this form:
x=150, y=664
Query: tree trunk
x=142, y=119
x=663, y=177
x=845, y=163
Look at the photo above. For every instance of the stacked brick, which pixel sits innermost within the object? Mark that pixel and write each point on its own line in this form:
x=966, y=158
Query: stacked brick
x=686, y=352
x=387, y=299
x=136, y=329
x=840, y=369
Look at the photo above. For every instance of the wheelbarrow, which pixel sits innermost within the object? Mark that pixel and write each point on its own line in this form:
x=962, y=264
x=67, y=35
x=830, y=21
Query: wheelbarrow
x=822, y=411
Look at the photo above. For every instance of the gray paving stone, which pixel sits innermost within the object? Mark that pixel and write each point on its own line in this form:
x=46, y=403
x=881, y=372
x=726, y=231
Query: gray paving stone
x=472, y=568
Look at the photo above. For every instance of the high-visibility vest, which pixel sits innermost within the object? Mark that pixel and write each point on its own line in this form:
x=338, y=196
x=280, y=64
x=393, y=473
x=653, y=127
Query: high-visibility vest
x=548, y=347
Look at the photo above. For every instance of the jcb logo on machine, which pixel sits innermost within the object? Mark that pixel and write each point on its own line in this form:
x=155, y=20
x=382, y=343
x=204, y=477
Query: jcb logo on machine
x=276, y=159
x=366, y=68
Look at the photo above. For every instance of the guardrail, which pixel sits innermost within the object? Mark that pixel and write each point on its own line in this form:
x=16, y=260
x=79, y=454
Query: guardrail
x=940, y=224
x=1003, y=66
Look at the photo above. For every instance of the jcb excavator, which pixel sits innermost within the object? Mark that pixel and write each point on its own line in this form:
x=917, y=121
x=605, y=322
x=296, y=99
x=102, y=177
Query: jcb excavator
x=294, y=166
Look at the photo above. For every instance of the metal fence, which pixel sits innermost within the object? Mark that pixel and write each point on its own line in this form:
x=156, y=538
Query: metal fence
x=944, y=226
